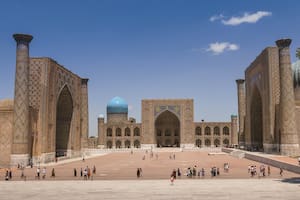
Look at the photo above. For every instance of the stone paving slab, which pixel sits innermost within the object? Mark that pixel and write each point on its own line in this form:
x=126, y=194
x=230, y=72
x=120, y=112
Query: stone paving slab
x=215, y=189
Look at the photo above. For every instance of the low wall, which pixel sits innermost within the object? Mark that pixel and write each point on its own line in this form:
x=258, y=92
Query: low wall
x=266, y=160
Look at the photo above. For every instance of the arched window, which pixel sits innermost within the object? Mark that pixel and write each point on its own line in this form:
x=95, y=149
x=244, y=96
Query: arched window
x=109, y=144
x=136, y=131
x=198, y=143
x=226, y=142
x=207, y=130
x=167, y=132
x=118, y=132
x=127, y=144
x=216, y=130
x=225, y=130
x=137, y=144
x=198, y=130
x=158, y=132
x=217, y=142
x=118, y=144
x=127, y=131
x=109, y=132
x=207, y=143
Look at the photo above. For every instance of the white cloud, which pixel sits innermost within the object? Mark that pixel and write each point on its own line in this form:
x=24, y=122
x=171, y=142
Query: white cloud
x=246, y=18
x=218, y=48
x=216, y=17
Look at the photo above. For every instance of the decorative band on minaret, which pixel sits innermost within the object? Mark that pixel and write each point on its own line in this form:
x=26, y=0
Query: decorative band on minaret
x=289, y=139
x=241, y=109
x=21, y=98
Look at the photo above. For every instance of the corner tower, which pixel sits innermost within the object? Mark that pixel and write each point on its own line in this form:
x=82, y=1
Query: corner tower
x=20, y=148
x=288, y=133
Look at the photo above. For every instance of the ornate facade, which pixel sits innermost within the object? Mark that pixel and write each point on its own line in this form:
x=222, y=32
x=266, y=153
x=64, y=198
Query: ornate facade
x=48, y=117
x=268, y=114
x=165, y=123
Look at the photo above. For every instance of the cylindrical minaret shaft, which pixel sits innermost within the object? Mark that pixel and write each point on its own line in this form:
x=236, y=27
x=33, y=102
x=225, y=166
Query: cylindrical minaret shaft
x=20, y=150
x=241, y=109
x=84, y=113
x=234, y=136
x=289, y=139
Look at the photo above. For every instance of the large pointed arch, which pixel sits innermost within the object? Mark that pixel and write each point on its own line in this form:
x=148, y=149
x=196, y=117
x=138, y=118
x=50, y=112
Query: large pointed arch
x=169, y=125
x=256, y=118
x=64, y=112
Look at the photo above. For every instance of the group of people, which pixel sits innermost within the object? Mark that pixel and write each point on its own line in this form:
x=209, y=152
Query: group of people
x=8, y=174
x=151, y=154
x=86, y=173
x=38, y=172
x=252, y=170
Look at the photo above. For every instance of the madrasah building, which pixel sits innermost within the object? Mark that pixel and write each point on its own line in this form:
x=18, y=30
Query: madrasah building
x=269, y=102
x=165, y=123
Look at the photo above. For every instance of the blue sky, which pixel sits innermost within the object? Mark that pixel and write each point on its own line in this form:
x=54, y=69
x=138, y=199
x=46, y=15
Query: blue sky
x=139, y=49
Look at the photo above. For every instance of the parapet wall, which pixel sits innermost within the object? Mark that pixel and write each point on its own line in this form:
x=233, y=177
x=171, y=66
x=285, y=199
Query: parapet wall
x=266, y=160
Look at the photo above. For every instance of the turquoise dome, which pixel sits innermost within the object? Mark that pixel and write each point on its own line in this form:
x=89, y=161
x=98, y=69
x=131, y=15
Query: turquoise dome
x=117, y=106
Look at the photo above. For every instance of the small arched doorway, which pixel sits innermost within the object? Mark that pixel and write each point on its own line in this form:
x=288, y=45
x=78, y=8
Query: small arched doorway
x=207, y=143
x=127, y=144
x=217, y=142
x=198, y=143
x=64, y=112
x=256, y=121
x=137, y=144
x=118, y=144
x=167, y=126
x=109, y=144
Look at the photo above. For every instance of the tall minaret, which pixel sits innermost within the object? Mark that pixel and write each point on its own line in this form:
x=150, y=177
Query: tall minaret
x=20, y=148
x=234, y=136
x=84, y=113
x=289, y=138
x=241, y=109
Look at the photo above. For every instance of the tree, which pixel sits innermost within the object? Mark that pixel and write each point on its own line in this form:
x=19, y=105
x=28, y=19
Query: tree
x=298, y=53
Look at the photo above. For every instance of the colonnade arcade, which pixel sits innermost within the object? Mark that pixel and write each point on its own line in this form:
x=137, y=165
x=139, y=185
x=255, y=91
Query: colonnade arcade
x=123, y=138
x=213, y=136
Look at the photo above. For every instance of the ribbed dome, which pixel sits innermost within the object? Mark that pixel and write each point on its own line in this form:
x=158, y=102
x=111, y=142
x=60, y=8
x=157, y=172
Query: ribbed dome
x=296, y=73
x=117, y=106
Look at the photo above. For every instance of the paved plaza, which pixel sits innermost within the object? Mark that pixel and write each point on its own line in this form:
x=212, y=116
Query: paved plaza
x=123, y=166
x=115, y=178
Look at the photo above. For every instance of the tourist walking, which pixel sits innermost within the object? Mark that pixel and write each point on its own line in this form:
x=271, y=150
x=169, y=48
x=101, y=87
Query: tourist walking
x=38, y=173
x=280, y=171
x=173, y=176
x=10, y=174
x=44, y=172
x=138, y=173
x=178, y=173
x=94, y=169
x=53, y=173
x=75, y=172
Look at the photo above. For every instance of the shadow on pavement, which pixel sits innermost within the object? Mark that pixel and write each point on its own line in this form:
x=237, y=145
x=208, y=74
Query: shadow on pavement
x=293, y=180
